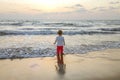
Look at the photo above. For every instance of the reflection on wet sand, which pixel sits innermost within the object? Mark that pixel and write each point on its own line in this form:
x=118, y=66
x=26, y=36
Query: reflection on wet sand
x=60, y=68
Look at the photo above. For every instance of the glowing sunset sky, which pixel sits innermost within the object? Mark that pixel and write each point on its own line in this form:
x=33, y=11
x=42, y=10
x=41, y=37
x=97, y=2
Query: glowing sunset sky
x=59, y=9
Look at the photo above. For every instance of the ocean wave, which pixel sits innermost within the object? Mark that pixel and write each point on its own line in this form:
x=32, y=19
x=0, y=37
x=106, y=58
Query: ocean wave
x=45, y=24
x=110, y=29
x=29, y=52
x=27, y=29
x=48, y=28
x=68, y=24
x=11, y=23
x=51, y=28
x=49, y=32
x=86, y=23
x=113, y=23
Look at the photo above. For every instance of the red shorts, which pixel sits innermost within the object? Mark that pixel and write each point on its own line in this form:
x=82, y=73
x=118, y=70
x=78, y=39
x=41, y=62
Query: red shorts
x=59, y=49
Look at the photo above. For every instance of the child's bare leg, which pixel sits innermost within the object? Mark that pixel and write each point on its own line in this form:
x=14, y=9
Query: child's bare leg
x=58, y=58
x=62, y=61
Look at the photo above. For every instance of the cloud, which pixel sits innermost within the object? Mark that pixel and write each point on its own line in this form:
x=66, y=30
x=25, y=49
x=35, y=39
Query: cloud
x=113, y=8
x=99, y=8
x=96, y=8
x=31, y=9
x=105, y=8
x=117, y=2
x=37, y=10
x=78, y=5
x=81, y=10
x=75, y=6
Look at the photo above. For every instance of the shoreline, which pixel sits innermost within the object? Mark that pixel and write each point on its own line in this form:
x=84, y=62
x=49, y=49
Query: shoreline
x=53, y=55
x=48, y=51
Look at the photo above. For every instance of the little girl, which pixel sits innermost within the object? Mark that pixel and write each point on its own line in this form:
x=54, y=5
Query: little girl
x=60, y=43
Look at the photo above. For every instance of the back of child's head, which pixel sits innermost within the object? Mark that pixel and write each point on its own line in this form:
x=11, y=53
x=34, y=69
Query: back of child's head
x=60, y=32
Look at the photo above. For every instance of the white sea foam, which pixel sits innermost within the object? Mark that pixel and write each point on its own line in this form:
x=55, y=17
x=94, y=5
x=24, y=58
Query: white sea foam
x=29, y=52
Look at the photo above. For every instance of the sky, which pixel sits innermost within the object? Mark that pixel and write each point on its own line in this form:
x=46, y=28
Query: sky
x=60, y=9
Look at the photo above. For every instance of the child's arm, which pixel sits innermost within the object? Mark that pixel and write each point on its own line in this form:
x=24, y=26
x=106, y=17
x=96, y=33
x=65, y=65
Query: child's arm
x=64, y=41
x=55, y=41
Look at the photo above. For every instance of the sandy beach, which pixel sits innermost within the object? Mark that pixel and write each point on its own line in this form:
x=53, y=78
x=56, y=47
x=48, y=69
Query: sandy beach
x=87, y=32
x=98, y=65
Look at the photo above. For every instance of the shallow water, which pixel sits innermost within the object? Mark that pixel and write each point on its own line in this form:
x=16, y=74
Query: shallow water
x=48, y=40
x=41, y=46
x=36, y=38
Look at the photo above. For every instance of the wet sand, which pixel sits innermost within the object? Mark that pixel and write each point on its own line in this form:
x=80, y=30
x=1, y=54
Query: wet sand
x=99, y=65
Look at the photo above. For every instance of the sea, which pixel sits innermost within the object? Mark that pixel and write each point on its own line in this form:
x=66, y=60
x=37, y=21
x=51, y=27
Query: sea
x=35, y=38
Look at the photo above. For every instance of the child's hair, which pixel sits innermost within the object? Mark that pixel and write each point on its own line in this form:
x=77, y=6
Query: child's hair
x=60, y=32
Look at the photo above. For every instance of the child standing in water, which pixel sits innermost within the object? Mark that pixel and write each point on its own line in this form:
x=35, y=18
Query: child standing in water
x=60, y=44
